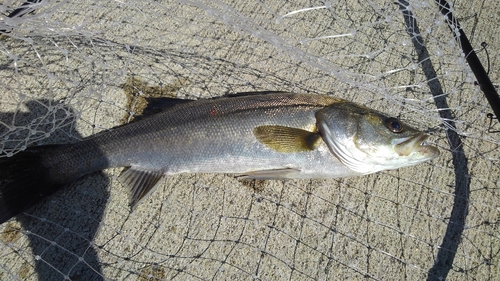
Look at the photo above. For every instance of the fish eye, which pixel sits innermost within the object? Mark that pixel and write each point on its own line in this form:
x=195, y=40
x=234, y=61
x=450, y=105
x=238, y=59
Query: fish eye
x=394, y=125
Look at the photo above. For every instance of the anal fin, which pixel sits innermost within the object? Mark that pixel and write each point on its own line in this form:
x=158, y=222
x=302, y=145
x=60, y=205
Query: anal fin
x=274, y=174
x=140, y=183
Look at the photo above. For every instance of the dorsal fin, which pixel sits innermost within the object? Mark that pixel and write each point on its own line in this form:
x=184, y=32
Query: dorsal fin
x=244, y=94
x=157, y=105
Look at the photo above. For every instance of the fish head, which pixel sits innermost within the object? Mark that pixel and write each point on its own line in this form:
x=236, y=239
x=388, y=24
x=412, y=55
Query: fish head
x=368, y=141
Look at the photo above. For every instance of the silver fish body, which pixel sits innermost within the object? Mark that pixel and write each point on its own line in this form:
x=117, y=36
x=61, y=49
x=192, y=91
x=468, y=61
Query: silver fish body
x=263, y=136
x=217, y=136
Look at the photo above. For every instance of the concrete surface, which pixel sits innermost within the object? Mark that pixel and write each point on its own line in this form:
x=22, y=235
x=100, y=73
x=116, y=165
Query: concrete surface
x=94, y=61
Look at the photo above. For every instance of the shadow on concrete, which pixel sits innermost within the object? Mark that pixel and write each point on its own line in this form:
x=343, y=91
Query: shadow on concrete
x=62, y=227
x=452, y=238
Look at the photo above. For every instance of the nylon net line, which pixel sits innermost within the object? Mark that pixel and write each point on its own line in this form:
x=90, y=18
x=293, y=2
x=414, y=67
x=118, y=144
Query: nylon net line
x=71, y=69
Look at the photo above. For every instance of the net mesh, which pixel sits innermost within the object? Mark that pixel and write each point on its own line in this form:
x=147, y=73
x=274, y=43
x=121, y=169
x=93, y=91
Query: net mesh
x=70, y=69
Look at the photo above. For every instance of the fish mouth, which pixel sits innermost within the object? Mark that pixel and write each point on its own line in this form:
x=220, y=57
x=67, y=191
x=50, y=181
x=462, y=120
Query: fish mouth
x=416, y=146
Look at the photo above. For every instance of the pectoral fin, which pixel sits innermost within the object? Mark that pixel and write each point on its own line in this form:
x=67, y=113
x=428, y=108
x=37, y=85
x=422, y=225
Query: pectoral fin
x=140, y=183
x=274, y=174
x=286, y=139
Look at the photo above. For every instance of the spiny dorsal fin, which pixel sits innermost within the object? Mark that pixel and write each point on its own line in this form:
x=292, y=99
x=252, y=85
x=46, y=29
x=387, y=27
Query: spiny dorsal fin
x=140, y=183
x=157, y=105
x=286, y=139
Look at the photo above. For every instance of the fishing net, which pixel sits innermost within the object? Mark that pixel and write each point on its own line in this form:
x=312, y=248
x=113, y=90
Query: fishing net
x=70, y=69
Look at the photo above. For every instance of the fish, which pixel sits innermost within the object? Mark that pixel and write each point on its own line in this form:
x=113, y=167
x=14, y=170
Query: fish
x=270, y=135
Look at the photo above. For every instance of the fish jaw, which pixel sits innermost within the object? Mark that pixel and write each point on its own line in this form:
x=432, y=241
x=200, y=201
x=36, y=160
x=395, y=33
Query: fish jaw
x=416, y=149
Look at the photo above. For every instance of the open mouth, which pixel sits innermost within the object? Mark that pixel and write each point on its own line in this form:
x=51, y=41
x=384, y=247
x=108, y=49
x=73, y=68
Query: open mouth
x=408, y=146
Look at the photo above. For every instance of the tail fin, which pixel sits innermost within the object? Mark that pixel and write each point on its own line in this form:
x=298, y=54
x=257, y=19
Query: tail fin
x=25, y=181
